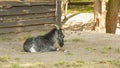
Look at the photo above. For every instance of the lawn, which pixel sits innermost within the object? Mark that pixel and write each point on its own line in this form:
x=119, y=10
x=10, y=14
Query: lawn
x=84, y=0
x=80, y=9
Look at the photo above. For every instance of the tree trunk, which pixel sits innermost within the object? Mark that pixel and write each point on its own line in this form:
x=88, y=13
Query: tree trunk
x=112, y=16
x=99, y=15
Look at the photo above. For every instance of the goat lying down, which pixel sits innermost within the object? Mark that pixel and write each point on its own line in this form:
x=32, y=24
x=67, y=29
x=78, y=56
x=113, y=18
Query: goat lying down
x=46, y=42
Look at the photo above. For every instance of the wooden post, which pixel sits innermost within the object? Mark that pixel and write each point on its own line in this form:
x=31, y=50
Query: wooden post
x=58, y=12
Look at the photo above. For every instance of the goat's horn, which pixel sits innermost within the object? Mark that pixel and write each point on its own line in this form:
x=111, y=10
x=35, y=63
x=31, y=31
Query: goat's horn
x=57, y=26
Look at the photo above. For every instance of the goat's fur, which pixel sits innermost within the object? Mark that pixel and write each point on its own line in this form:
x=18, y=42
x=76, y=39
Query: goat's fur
x=44, y=43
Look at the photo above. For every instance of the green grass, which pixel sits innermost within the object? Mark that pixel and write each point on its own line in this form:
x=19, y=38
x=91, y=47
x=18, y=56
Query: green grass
x=80, y=9
x=15, y=66
x=106, y=49
x=102, y=62
x=75, y=39
x=68, y=53
x=90, y=49
x=0, y=39
x=114, y=62
x=17, y=59
x=4, y=59
x=111, y=62
x=31, y=65
x=5, y=39
x=71, y=64
x=117, y=50
x=82, y=0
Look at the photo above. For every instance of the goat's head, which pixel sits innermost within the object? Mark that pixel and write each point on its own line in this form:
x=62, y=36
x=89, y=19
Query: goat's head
x=60, y=36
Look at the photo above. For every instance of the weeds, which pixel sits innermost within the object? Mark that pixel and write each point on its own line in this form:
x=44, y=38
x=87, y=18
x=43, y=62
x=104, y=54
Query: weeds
x=35, y=65
x=111, y=62
x=102, y=62
x=117, y=50
x=106, y=49
x=68, y=53
x=74, y=64
x=89, y=48
x=41, y=65
x=17, y=59
x=114, y=62
x=75, y=39
x=5, y=39
x=0, y=39
x=4, y=59
x=15, y=66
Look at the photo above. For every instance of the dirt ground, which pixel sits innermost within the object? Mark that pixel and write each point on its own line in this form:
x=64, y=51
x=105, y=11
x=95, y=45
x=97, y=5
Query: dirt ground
x=86, y=50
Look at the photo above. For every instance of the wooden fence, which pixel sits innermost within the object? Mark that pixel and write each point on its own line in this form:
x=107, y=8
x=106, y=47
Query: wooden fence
x=25, y=16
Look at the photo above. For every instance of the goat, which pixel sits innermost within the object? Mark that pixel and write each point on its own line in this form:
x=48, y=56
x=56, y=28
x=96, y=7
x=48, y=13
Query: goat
x=46, y=42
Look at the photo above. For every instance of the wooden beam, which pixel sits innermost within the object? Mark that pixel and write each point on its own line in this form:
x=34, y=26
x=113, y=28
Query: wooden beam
x=7, y=4
x=58, y=12
x=11, y=18
x=28, y=23
x=27, y=10
x=23, y=29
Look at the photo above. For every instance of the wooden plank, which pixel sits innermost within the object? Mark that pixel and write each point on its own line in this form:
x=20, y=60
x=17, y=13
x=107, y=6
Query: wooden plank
x=25, y=17
x=9, y=4
x=58, y=12
x=23, y=29
x=27, y=10
x=28, y=23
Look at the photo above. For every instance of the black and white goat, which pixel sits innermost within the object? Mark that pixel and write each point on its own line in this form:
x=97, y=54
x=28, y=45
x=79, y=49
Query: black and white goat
x=46, y=42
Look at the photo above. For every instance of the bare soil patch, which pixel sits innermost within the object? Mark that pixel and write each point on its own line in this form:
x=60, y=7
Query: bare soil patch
x=86, y=50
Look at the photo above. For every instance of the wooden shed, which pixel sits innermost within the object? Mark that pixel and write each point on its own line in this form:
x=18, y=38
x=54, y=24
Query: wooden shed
x=26, y=15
